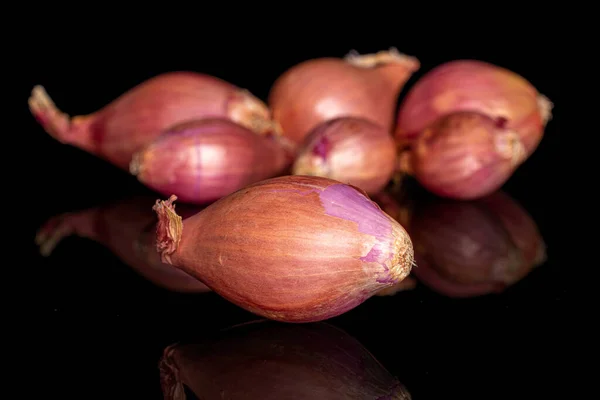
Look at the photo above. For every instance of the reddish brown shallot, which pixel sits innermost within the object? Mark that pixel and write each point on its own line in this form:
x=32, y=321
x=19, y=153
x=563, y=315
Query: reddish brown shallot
x=119, y=129
x=204, y=160
x=292, y=248
x=350, y=150
x=478, y=86
x=365, y=86
x=464, y=155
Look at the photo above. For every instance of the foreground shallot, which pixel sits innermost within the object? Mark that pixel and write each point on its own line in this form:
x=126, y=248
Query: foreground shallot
x=128, y=229
x=350, y=150
x=135, y=118
x=292, y=248
x=202, y=161
x=264, y=360
x=315, y=91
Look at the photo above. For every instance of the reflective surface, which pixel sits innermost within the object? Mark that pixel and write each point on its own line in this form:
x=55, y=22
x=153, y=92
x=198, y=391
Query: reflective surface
x=482, y=315
x=472, y=315
x=268, y=360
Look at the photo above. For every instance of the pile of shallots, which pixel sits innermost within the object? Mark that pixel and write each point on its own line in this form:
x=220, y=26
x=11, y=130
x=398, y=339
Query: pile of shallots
x=289, y=231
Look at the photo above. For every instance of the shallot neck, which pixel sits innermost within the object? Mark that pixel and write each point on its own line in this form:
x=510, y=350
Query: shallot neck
x=250, y=112
x=76, y=131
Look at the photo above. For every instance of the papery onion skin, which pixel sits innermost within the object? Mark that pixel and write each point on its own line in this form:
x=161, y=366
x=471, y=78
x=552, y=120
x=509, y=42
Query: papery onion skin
x=127, y=229
x=350, y=150
x=135, y=118
x=467, y=249
x=321, y=89
x=471, y=85
x=465, y=155
x=292, y=248
x=204, y=160
x=264, y=360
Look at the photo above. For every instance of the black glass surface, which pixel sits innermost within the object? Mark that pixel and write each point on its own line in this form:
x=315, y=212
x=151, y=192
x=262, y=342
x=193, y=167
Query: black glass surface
x=111, y=324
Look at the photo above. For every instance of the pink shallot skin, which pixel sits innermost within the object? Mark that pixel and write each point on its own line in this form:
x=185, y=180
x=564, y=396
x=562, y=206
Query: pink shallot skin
x=350, y=150
x=293, y=248
x=201, y=161
x=465, y=155
x=115, y=132
x=315, y=91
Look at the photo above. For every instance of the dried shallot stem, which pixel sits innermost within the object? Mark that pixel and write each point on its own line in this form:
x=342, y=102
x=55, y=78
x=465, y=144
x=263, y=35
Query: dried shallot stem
x=382, y=58
x=545, y=106
x=169, y=228
x=53, y=120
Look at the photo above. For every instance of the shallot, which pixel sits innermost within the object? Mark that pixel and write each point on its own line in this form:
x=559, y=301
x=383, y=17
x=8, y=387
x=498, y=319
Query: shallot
x=263, y=360
x=135, y=118
x=204, y=160
x=291, y=248
x=350, y=150
x=128, y=229
x=321, y=89
x=464, y=155
x=471, y=85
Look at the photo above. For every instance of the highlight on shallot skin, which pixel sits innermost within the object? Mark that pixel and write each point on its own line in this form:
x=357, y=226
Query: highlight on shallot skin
x=119, y=129
x=201, y=161
x=264, y=360
x=364, y=86
x=350, y=150
x=292, y=248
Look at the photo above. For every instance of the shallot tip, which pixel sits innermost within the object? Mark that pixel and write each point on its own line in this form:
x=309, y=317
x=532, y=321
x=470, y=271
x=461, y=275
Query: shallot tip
x=250, y=112
x=545, y=106
x=381, y=58
x=169, y=228
x=510, y=147
x=135, y=166
x=54, y=121
x=170, y=381
x=403, y=260
x=51, y=233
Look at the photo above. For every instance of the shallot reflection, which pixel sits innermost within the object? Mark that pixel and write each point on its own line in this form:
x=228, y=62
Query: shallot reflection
x=127, y=228
x=468, y=248
x=270, y=360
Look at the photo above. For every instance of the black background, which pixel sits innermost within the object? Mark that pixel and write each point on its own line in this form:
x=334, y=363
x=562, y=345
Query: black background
x=100, y=328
